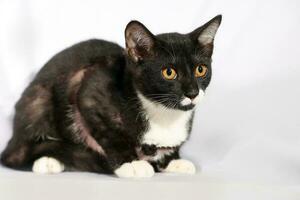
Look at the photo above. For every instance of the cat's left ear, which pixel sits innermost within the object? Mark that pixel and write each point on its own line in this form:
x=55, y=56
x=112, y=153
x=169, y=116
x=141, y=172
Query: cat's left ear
x=139, y=41
x=205, y=34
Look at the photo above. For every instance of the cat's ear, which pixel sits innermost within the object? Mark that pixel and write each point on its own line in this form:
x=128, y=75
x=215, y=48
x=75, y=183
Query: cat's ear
x=205, y=34
x=139, y=41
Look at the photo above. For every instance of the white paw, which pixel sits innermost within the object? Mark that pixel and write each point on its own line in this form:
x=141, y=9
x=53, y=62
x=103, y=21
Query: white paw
x=126, y=171
x=135, y=169
x=181, y=166
x=47, y=165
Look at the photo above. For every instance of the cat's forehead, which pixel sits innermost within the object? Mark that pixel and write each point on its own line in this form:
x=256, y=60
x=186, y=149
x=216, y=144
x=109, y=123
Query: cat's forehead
x=178, y=46
x=175, y=39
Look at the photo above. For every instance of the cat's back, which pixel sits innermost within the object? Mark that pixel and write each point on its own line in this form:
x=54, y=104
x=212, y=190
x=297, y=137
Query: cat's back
x=66, y=65
x=77, y=56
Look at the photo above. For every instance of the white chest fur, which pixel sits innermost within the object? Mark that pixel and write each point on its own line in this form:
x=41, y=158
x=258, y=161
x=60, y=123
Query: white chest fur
x=167, y=127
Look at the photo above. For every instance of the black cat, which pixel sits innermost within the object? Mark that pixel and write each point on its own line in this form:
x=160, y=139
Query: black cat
x=101, y=108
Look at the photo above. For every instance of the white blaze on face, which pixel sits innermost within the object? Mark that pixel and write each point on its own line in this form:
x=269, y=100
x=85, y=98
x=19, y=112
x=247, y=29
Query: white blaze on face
x=187, y=101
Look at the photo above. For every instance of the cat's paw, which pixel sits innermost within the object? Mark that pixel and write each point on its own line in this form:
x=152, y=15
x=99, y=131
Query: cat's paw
x=47, y=165
x=135, y=169
x=181, y=166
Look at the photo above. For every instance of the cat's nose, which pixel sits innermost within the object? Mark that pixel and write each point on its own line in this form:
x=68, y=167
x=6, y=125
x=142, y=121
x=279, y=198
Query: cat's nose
x=192, y=94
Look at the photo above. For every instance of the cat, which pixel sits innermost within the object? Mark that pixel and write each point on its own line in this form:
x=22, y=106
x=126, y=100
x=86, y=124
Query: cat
x=100, y=108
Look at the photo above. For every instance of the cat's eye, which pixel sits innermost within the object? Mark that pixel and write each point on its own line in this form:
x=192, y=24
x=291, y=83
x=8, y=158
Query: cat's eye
x=200, y=71
x=169, y=73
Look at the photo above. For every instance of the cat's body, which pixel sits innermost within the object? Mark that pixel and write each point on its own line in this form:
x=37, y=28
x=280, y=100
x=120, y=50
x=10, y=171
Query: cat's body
x=98, y=107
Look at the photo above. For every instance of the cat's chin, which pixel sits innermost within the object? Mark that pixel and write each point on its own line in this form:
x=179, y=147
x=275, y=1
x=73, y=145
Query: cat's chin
x=186, y=107
x=180, y=107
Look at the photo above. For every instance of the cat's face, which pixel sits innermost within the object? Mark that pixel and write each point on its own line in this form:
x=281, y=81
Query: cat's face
x=171, y=69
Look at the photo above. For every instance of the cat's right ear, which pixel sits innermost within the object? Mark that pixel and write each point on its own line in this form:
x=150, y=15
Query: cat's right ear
x=205, y=34
x=139, y=41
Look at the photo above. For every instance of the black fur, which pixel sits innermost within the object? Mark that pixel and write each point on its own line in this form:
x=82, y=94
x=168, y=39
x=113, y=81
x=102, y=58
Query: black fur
x=87, y=94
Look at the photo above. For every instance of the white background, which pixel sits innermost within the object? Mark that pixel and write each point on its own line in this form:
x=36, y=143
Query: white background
x=247, y=128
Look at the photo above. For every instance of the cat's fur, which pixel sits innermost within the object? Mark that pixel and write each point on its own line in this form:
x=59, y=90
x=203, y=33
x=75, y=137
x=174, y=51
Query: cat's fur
x=101, y=108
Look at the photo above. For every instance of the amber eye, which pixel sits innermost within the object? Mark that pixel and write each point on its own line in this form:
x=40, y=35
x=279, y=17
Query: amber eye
x=200, y=71
x=169, y=73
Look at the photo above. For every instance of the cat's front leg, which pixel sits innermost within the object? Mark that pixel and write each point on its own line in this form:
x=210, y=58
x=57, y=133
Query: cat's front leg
x=174, y=164
x=126, y=164
x=135, y=169
x=180, y=166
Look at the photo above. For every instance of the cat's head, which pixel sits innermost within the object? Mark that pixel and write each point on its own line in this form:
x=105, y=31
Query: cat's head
x=171, y=69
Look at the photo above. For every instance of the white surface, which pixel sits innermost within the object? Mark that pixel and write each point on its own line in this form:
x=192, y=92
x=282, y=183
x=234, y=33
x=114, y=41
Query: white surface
x=20, y=185
x=246, y=132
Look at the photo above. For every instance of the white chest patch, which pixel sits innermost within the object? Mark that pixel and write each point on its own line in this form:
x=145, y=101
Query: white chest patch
x=167, y=127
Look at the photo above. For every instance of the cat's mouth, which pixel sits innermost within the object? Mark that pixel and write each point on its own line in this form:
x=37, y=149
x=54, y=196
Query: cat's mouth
x=184, y=104
x=171, y=101
x=186, y=101
x=189, y=103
